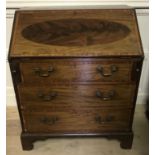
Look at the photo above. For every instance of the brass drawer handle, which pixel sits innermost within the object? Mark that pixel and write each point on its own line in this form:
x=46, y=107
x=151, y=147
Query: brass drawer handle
x=43, y=73
x=113, y=69
x=105, y=96
x=47, y=97
x=101, y=120
x=49, y=121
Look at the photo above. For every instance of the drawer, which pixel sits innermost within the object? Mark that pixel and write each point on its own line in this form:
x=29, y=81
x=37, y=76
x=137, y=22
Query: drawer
x=76, y=95
x=81, y=120
x=83, y=70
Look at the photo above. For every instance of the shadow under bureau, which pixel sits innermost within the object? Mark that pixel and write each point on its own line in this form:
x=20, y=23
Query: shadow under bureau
x=76, y=73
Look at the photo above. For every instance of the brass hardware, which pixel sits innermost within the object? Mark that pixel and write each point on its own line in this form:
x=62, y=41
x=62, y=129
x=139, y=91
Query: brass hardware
x=49, y=121
x=105, y=96
x=43, y=73
x=101, y=120
x=113, y=69
x=47, y=97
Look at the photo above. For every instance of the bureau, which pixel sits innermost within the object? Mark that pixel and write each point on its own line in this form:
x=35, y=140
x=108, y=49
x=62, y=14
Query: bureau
x=76, y=73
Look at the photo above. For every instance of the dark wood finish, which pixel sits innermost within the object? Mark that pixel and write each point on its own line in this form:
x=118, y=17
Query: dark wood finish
x=126, y=141
x=84, y=120
x=125, y=138
x=75, y=32
x=76, y=96
x=76, y=70
x=114, y=18
x=76, y=73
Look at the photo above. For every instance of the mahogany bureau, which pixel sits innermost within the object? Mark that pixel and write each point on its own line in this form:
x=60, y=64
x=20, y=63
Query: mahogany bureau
x=76, y=73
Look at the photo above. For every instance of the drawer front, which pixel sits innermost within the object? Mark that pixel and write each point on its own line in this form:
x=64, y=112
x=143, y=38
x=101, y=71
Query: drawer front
x=76, y=71
x=76, y=95
x=81, y=120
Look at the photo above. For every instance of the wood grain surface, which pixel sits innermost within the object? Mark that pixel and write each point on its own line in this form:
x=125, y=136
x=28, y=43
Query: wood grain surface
x=76, y=70
x=75, y=96
x=75, y=32
x=109, y=32
x=81, y=120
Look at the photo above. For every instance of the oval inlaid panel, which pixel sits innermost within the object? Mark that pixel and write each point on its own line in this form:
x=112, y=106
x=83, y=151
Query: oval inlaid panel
x=75, y=32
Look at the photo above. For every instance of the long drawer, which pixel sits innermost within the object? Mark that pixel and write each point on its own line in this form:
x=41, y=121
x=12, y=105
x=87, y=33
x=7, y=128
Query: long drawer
x=79, y=120
x=76, y=70
x=76, y=95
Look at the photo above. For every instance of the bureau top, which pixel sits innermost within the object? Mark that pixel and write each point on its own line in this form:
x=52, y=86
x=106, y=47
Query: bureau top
x=75, y=33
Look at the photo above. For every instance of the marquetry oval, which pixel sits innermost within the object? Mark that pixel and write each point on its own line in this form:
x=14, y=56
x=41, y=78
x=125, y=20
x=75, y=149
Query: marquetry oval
x=75, y=32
